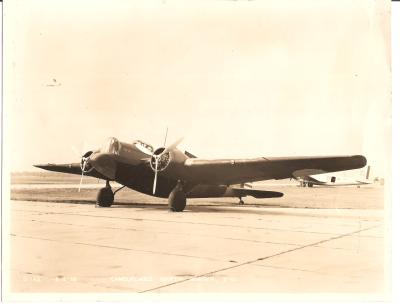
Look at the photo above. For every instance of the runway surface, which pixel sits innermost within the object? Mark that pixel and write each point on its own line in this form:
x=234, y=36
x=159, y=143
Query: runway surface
x=132, y=248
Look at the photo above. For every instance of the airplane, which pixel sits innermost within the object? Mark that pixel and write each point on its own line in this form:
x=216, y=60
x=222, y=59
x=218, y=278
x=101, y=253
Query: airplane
x=168, y=172
x=332, y=180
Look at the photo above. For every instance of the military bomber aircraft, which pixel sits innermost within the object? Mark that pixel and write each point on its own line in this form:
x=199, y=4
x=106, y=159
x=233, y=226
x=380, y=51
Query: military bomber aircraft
x=168, y=172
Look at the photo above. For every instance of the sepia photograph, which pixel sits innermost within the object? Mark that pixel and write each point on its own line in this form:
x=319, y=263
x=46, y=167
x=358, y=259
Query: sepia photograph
x=233, y=148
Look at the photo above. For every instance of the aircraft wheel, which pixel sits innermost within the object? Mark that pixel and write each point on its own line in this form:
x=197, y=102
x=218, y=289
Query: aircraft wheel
x=177, y=200
x=241, y=202
x=105, y=197
x=310, y=184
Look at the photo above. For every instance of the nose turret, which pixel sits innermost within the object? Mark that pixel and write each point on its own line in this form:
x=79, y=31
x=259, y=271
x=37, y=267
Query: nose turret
x=111, y=146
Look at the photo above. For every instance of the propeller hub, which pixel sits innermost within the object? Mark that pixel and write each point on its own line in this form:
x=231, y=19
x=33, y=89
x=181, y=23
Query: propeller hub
x=160, y=159
x=85, y=162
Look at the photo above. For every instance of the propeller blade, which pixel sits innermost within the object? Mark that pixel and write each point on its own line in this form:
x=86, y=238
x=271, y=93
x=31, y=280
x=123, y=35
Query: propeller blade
x=82, y=148
x=76, y=151
x=174, y=145
x=165, y=139
x=155, y=177
x=80, y=153
x=83, y=168
x=155, y=182
x=83, y=172
x=80, y=183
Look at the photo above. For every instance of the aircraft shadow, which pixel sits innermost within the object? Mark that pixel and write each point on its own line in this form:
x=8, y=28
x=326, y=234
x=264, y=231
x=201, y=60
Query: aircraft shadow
x=251, y=209
x=213, y=208
x=210, y=207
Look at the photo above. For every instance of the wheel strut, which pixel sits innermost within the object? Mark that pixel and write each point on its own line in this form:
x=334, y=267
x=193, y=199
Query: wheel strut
x=119, y=189
x=105, y=196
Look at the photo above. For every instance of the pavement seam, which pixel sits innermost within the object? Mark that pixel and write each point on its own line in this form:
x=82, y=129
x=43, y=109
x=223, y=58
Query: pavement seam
x=291, y=269
x=259, y=259
x=157, y=232
x=225, y=238
x=182, y=222
x=115, y=247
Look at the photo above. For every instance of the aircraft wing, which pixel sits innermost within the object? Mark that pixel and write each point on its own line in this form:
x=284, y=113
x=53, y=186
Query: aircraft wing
x=73, y=168
x=234, y=171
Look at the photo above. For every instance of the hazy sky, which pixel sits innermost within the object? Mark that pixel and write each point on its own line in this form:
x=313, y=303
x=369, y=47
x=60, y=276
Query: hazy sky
x=235, y=78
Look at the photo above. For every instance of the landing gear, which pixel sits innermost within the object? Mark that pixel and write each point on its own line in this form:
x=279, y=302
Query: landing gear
x=177, y=198
x=306, y=184
x=241, y=202
x=105, y=196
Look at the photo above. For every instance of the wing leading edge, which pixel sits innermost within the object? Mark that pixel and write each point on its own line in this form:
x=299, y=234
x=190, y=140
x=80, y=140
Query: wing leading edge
x=234, y=171
x=73, y=168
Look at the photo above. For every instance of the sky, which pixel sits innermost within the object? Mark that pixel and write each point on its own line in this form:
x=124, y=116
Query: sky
x=237, y=79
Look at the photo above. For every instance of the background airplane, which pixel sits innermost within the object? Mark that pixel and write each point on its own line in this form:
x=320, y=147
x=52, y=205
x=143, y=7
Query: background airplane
x=333, y=180
x=167, y=172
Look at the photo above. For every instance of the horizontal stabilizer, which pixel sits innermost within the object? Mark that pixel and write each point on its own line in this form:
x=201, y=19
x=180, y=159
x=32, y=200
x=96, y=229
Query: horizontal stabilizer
x=259, y=194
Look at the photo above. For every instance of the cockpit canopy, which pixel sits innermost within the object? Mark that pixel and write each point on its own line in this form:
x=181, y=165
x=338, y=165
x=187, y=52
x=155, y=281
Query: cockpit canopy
x=113, y=146
x=144, y=147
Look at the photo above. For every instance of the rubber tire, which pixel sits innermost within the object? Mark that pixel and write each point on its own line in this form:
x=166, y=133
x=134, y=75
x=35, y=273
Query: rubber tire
x=105, y=197
x=310, y=184
x=177, y=201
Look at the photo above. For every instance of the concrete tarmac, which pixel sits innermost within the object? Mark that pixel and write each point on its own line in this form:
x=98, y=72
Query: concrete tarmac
x=131, y=248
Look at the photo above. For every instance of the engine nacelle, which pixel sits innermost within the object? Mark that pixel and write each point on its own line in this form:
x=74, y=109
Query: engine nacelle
x=168, y=162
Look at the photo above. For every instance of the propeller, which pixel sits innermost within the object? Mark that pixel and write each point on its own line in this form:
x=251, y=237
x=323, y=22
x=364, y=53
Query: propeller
x=162, y=156
x=85, y=165
x=81, y=150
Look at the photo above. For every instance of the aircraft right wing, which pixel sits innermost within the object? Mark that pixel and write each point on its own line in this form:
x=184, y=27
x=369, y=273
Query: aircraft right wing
x=73, y=168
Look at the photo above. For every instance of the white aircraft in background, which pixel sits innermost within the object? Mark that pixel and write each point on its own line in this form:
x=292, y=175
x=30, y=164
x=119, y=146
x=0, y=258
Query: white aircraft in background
x=326, y=179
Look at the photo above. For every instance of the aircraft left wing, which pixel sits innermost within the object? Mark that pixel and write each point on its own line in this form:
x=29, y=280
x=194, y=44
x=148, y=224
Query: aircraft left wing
x=234, y=171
